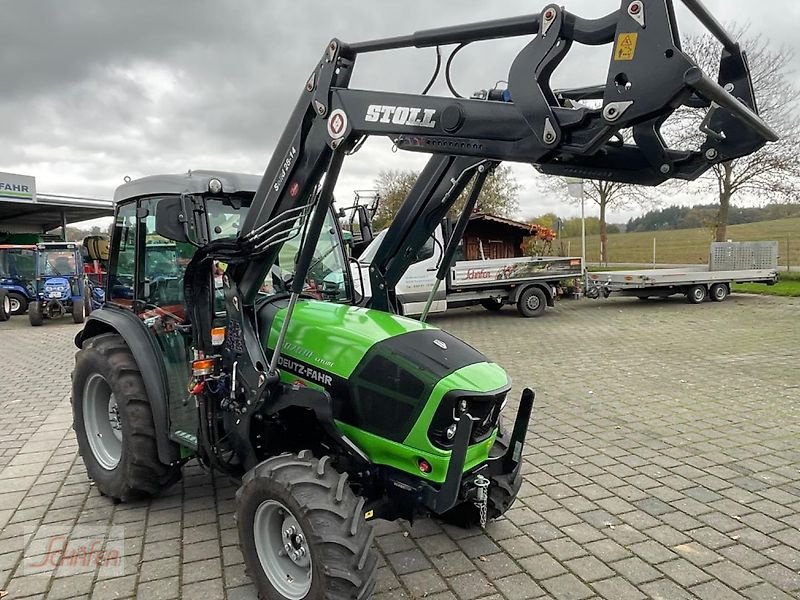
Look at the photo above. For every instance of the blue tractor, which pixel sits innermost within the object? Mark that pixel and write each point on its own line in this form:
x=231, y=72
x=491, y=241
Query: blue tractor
x=59, y=284
x=17, y=274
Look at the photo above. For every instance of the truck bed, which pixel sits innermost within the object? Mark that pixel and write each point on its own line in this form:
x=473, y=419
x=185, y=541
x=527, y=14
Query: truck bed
x=503, y=271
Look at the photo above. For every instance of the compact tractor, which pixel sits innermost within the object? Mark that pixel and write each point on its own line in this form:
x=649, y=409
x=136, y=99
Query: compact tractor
x=59, y=284
x=329, y=414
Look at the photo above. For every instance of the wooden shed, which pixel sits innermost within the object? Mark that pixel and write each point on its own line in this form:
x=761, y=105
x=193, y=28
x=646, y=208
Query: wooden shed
x=489, y=237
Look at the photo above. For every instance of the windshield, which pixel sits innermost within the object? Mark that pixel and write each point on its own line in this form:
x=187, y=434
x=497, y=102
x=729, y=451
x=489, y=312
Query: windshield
x=162, y=260
x=17, y=263
x=57, y=263
x=326, y=279
x=225, y=215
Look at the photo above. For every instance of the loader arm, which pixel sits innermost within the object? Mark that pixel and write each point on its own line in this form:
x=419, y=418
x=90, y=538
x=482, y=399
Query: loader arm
x=648, y=78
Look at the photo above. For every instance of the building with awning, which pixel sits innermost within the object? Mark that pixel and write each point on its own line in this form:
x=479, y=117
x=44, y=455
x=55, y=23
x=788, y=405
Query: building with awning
x=24, y=210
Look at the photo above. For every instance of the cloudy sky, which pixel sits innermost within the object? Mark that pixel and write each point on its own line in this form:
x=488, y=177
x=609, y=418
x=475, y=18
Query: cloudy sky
x=93, y=91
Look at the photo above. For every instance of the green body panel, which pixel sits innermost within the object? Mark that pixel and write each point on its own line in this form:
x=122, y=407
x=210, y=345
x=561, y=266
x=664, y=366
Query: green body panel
x=336, y=337
x=349, y=332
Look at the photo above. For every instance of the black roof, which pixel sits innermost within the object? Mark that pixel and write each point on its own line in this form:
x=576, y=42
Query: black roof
x=192, y=182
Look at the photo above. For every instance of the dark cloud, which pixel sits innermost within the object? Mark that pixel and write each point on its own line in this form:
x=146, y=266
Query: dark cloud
x=96, y=90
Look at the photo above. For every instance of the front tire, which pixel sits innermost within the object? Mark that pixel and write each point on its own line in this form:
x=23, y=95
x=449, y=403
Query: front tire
x=114, y=423
x=697, y=294
x=79, y=310
x=35, y=315
x=532, y=302
x=5, y=306
x=302, y=531
x=492, y=304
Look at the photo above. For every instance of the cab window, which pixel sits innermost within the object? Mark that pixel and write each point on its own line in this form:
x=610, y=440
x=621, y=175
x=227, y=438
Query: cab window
x=123, y=261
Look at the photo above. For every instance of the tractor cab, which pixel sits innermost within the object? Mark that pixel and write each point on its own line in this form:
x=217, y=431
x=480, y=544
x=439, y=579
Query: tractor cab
x=17, y=276
x=58, y=283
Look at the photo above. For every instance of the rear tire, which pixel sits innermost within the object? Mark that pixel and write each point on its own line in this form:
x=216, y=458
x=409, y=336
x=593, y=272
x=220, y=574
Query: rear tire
x=532, y=302
x=19, y=305
x=35, y=315
x=719, y=292
x=697, y=294
x=492, y=304
x=109, y=402
x=79, y=310
x=5, y=306
x=314, y=499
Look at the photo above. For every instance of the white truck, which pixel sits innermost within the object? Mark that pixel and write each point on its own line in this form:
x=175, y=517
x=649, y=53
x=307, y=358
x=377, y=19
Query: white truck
x=729, y=262
x=529, y=282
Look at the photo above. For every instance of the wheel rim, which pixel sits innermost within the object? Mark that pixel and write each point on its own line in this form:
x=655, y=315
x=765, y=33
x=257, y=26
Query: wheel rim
x=13, y=304
x=7, y=305
x=720, y=293
x=533, y=303
x=282, y=549
x=698, y=294
x=102, y=421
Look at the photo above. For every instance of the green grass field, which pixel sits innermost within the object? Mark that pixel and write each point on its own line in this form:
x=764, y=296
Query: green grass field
x=788, y=286
x=689, y=246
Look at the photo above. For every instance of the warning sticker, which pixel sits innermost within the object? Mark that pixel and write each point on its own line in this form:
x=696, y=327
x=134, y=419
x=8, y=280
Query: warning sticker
x=626, y=46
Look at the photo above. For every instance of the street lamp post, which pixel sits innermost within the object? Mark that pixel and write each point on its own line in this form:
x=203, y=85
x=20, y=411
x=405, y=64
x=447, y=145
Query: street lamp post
x=575, y=187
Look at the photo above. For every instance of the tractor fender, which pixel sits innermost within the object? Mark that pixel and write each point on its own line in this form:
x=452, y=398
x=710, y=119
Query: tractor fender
x=146, y=353
x=544, y=286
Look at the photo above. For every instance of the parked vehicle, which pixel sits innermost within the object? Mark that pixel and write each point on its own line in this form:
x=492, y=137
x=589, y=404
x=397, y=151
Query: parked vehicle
x=17, y=275
x=729, y=263
x=59, y=284
x=530, y=282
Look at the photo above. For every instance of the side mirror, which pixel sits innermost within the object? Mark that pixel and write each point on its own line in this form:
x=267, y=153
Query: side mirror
x=182, y=219
x=364, y=224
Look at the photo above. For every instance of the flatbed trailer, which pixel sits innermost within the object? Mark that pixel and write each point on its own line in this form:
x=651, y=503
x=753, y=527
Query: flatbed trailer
x=729, y=263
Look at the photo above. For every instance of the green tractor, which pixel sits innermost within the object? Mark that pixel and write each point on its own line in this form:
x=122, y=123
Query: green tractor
x=250, y=350
x=372, y=415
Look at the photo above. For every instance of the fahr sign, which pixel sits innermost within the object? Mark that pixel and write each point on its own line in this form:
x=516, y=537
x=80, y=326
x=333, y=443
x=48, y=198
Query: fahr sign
x=20, y=188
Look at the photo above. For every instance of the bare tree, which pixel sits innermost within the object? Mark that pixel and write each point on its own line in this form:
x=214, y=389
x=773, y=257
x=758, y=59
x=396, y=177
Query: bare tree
x=608, y=195
x=772, y=173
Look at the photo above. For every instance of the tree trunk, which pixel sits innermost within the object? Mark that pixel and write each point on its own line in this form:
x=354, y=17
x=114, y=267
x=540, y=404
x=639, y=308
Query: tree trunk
x=725, y=194
x=603, y=231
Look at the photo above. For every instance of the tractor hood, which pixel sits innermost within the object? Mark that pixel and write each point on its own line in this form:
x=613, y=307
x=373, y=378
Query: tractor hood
x=382, y=370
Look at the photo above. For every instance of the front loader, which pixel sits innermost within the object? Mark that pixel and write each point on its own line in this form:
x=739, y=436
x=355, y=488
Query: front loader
x=330, y=415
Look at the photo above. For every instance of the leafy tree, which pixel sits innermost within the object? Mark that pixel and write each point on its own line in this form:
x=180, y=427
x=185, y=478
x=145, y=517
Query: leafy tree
x=772, y=173
x=499, y=195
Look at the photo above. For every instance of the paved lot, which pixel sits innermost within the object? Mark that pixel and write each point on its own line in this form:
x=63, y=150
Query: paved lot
x=664, y=462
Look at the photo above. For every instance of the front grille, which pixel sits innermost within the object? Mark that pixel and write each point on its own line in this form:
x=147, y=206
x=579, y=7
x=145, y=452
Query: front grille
x=484, y=409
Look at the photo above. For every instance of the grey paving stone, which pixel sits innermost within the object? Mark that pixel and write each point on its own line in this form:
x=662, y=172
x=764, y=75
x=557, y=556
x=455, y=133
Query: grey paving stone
x=519, y=587
x=408, y=561
x=567, y=587
x=617, y=588
x=471, y=585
